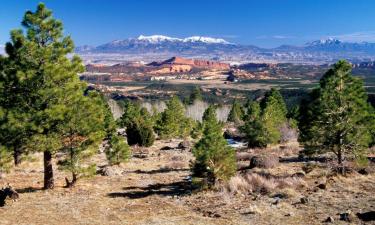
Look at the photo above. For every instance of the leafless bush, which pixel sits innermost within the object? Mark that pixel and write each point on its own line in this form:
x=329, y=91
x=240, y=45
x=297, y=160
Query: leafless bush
x=242, y=165
x=174, y=165
x=243, y=156
x=239, y=184
x=196, y=110
x=288, y=133
x=116, y=110
x=288, y=150
x=177, y=158
x=223, y=112
x=147, y=106
x=159, y=106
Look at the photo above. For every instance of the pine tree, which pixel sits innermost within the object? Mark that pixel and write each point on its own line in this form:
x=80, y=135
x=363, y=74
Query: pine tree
x=255, y=132
x=214, y=159
x=38, y=84
x=338, y=116
x=196, y=95
x=118, y=150
x=5, y=159
x=173, y=122
x=236, y=113
x=139, y=125
x=82, y=131
x=273, y=114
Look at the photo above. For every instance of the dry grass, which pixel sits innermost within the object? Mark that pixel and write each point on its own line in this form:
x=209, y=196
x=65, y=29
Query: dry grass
x=255, y=183
x=146, y=194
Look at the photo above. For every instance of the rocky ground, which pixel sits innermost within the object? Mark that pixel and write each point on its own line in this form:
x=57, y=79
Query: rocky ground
x=153, y=188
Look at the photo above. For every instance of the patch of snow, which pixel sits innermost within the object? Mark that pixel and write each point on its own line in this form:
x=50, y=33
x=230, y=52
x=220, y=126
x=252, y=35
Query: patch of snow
x=208, y=40
x=161, y=38
x=157, y=38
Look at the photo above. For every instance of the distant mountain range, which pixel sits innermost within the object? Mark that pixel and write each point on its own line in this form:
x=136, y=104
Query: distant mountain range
x=155, y=47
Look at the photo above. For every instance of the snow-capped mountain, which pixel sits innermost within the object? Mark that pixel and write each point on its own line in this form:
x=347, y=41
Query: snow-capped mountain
x=328, y=41
x=155, y=47
x=161, y=38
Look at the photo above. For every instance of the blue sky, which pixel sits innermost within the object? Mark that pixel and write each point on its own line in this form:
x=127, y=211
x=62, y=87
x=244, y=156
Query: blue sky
x=266, y=23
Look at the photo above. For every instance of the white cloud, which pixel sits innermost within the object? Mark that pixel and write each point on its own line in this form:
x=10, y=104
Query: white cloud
x=367, y=36
x=276, y=37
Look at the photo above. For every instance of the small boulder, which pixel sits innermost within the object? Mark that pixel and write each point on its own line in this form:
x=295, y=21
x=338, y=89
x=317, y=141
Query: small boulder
x=108, y=171
x=264, y=161
x=304, y=200
x=299, y=175
x=329, y=220
x=347, y=216
x=184, y=145
x=363, y=171
x=322, y=186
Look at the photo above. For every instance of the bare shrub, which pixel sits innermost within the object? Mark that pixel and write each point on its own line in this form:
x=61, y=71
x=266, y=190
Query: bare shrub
x=288, y=150
x=223, y=112
x=174, y=165
x=243, y=156
x=239, y=184
x=196, y=110
x=116, y=110
x=242, y=165
x=159, y=106
x=177, y=158
x=288, y=133
x=147, y=106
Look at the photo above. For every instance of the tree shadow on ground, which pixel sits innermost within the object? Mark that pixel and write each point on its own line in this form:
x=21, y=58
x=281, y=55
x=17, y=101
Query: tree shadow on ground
x=161, y=170
x=171, y=189
x=28, y=190
x=321, y=159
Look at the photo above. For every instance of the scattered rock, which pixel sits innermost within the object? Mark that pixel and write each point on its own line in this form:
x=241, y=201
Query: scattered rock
x=329, y=220
x=363, y=171
x=322, y=186
x=184, y=145
x=348, y=217
x=367, y=216
x=108, y=171
x=264, y=161
x=299, y=174
x=304, y=200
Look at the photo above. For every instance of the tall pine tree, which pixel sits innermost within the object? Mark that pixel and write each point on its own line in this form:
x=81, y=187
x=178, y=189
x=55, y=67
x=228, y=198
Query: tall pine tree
x=338, y=117
x=236, y=113
x=173, y=122
x=38, y=85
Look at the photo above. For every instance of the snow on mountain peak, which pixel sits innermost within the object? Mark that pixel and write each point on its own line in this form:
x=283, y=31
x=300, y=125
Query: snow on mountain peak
x=161, y=38
x=329, y=40
x=156, y=38
x=209, y=40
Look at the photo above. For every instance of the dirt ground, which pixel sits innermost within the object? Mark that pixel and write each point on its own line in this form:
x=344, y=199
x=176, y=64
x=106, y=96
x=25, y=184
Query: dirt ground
x=153, y=188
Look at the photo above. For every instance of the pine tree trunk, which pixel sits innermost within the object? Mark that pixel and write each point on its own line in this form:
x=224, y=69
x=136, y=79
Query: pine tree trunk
x=341, y=166
x=70, y=184
x=48, y=171
x=17, y=157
